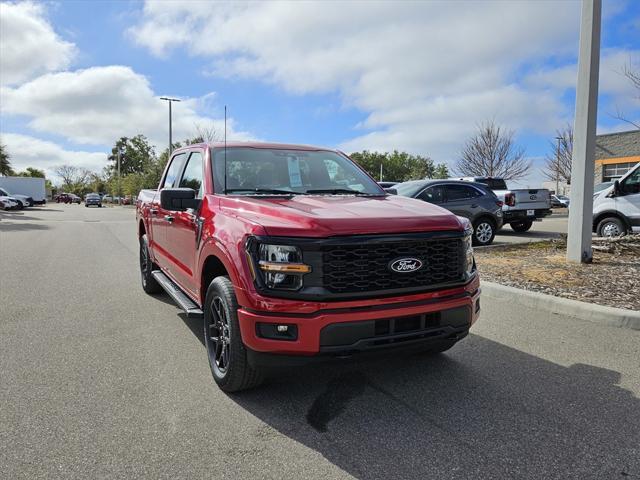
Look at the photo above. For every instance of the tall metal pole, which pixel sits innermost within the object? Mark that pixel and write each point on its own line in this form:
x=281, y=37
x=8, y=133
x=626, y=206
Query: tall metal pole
x=170, y=100
x=558, y=164
x=119, y=154
x=584, y=140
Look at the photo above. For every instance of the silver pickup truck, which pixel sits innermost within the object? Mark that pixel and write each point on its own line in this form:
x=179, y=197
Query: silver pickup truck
x=520, y=207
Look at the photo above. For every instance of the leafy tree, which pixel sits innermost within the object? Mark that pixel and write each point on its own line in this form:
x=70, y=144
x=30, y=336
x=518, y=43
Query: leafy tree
x=397, y=166
x=442, y=171
x=491, y=152
x=32, y=172
x=5, y=165
x=132, y=184
x=558, y=164
x=136, y=155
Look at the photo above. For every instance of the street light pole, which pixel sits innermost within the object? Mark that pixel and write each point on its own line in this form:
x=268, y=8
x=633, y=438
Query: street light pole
x=558, y=164
x=584, y=140
x=170, y=100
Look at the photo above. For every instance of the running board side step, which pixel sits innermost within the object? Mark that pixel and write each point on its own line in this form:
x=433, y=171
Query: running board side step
x=175, y=292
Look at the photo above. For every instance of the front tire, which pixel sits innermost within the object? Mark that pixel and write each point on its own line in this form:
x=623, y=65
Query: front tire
x=149, y=284
x=484, y=231
x=226, y=352
x=611, y=227
x=522, y=226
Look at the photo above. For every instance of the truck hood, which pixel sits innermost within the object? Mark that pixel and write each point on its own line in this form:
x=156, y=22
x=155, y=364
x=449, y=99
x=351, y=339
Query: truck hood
x=332, y=215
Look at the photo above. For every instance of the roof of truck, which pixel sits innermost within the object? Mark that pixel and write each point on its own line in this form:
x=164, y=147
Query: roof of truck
x=283, y=146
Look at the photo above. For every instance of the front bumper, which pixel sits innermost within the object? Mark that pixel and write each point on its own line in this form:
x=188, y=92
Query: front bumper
x=398, y=322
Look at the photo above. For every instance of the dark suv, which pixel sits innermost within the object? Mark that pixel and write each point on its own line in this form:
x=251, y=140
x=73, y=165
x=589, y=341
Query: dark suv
x=474, y=201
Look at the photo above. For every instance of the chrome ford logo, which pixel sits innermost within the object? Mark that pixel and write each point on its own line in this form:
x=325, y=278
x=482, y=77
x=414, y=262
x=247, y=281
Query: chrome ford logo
x=405, y=265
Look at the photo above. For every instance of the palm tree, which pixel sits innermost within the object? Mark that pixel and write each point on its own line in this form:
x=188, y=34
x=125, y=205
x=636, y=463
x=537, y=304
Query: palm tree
x=5, y=166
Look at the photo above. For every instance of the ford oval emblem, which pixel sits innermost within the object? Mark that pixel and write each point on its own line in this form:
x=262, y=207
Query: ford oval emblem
x=405, y=265
x=533, y=197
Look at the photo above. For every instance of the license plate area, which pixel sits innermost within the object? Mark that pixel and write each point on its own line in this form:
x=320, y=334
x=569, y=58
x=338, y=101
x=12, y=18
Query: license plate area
x=531, y=213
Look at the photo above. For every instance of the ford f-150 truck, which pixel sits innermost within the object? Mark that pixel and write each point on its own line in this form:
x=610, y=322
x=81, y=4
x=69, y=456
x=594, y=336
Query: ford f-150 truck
x=521, y=207
x=293, y=253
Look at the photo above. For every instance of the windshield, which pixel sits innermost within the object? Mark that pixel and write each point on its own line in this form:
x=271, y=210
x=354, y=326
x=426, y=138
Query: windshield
x=601, y=186
x=409, y=189
x=284, y=172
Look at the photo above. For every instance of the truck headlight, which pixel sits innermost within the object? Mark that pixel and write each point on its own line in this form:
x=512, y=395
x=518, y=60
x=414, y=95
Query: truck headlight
x=281, y=266
x=469, y=260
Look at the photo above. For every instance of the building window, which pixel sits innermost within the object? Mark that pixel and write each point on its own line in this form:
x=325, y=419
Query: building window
x=614, y=171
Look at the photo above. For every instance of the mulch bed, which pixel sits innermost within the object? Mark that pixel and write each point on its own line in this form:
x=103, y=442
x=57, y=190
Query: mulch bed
x=612, y=279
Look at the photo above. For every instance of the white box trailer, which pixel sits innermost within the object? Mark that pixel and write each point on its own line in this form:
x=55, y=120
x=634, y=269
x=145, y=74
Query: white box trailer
x=29, y=186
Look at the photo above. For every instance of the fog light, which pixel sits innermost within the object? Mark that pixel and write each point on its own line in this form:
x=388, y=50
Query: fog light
x=274, y=331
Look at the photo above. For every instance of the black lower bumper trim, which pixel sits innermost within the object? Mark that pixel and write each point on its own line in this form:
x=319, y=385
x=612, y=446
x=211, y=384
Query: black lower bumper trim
x=342, y=355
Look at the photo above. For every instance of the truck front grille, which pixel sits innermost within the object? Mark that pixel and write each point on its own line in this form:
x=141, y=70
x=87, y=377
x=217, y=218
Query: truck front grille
x=353, y=268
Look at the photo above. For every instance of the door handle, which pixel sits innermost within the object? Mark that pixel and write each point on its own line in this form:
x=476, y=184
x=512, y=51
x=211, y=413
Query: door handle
x=168, y=218
x=475, y=205
x=153, y=211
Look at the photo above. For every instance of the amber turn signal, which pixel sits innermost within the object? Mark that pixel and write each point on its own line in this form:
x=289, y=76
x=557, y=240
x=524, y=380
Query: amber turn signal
x=284, y=267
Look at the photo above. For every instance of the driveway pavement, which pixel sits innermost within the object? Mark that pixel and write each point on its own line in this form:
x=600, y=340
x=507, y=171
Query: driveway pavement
x=99, y=380
x=550, y=227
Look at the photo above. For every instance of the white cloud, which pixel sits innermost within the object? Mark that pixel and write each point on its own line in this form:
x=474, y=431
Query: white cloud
x=99, y=104
x=425, y=72
x=28, y=44
x=26, y=151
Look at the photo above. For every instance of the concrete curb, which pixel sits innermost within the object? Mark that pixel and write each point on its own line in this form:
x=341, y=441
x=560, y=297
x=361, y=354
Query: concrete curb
x=610, y=316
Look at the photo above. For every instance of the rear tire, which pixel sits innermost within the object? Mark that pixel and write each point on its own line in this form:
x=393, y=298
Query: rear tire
x=149, y=284
x=226, y=352
x=484, y=231
x=611, y=227
x=522, y=226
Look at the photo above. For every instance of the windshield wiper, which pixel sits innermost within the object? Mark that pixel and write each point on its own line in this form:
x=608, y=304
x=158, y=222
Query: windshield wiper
x=340, y=191
x=265, y=191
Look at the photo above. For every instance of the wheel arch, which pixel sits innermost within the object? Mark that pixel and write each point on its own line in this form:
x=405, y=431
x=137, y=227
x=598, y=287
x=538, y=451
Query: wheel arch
x=610, y=213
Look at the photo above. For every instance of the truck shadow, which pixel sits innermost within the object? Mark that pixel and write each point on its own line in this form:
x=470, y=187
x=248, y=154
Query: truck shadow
x=483, y=410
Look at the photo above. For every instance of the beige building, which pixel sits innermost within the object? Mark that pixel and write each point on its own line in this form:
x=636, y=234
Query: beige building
x=616, y=153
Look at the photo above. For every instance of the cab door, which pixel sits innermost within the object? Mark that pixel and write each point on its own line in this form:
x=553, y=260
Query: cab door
x=182, y=231
x=160, y=218
x=628, y=202
x=463, y=200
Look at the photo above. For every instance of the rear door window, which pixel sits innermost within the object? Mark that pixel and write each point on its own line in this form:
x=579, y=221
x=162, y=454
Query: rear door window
x=461, y=192
x=173, y=171
x=433, y=194
x=192, y=176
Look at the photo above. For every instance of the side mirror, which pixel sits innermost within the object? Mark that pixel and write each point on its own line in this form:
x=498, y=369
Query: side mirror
x=615, y=191
x=391, y=190
x=178, y=199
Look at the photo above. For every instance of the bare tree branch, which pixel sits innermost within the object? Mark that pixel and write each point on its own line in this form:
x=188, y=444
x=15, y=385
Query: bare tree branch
x=634, y=78
x=208, y=133
x=492, y=153
x=558, y=164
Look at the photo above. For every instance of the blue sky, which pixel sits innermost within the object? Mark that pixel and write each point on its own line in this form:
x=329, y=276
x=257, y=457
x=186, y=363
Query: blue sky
x=415, y=76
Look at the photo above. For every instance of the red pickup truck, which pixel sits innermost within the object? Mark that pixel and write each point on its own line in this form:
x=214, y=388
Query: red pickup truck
x=293, y=253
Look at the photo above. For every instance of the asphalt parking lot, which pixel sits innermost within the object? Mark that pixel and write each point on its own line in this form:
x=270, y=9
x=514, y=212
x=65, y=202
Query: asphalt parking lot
x=100, y=380
x=549, y=227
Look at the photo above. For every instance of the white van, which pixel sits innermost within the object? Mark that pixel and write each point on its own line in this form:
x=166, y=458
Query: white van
x=616, y=209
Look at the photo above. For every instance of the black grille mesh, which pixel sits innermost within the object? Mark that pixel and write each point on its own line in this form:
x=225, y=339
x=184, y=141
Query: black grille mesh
x=361, y=268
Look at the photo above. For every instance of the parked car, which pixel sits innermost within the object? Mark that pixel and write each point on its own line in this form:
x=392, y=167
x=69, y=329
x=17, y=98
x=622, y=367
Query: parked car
x=126, y=200
x=107, y=199
x=474, y=201
x=92, y=199
x=559, y=201
x=23, y=200
x=9, y=203
x=521, y=207
x=616, y=209
x=294, y=254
